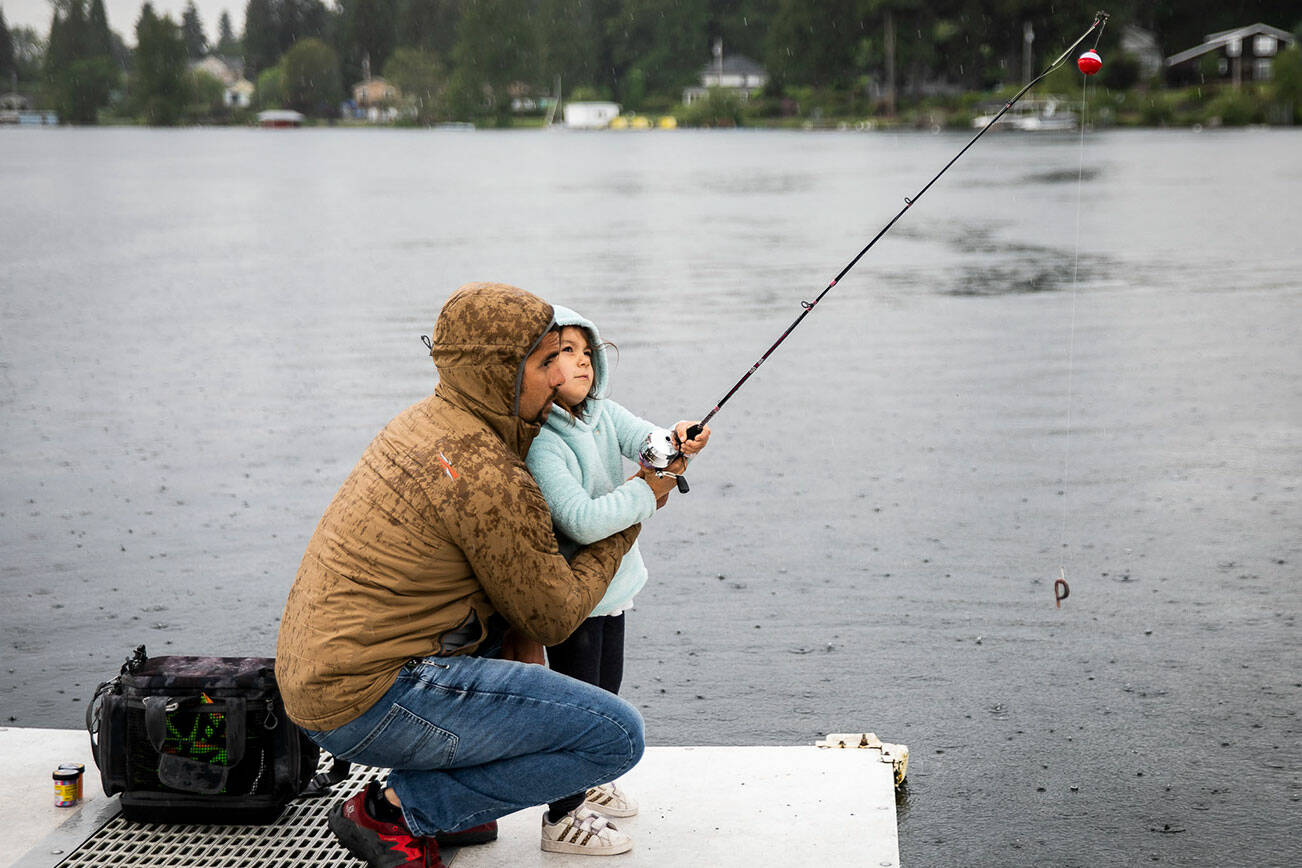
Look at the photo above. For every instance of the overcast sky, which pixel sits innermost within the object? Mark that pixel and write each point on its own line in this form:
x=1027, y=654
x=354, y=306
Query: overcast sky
x=123, y=14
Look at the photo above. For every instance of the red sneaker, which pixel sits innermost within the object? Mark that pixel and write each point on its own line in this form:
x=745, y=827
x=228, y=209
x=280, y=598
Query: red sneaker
x=381, y=844
x=481, y=834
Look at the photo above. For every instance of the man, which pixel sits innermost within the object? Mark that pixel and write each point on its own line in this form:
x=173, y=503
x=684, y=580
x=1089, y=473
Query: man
x=429, y=587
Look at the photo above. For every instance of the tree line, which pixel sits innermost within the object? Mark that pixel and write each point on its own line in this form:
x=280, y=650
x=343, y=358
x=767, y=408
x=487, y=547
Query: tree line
x=467, y=59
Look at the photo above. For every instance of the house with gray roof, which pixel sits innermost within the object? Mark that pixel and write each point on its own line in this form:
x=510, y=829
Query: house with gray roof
x=1239, y=55
x=735, y=73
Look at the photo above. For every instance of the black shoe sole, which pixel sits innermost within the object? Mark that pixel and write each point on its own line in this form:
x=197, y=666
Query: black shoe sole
x=358, y=841
x=463, y=839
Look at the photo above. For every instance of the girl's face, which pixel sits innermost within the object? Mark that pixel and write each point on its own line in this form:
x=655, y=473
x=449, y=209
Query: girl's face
x=575, y=362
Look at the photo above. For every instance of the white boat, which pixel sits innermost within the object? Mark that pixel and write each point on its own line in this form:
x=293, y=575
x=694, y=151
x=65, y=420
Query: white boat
x=280, y=118
x=590, y=115
x=1033, y=115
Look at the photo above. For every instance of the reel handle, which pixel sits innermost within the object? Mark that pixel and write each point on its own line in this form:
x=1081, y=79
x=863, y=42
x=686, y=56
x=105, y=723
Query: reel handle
x=683, y=487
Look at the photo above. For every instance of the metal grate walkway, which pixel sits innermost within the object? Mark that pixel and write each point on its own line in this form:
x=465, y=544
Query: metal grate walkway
x=298, y=839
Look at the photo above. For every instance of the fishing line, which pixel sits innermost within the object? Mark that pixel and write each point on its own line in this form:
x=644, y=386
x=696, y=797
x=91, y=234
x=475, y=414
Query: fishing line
x=1100, y=19
x=1089, y=61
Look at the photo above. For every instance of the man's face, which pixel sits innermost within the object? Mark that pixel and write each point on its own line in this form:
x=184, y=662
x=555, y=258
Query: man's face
x=542, y=376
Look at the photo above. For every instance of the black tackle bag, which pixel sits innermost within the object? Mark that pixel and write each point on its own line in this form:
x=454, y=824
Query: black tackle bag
x=202, y=740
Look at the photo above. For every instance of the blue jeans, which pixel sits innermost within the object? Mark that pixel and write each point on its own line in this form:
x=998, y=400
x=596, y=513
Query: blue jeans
x=470, y=739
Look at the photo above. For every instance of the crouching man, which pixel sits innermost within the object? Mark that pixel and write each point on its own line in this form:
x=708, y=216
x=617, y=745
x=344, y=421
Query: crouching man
x=428, y=590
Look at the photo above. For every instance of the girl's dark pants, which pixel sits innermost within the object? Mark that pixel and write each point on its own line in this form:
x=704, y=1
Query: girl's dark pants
x=594, y=654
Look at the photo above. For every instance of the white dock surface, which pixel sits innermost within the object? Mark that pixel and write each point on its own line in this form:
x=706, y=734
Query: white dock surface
x=28, y=758
x=733, y=806
x=707, y=806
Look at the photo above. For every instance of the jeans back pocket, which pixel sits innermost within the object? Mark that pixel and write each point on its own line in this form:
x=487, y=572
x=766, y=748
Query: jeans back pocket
x=405, y=740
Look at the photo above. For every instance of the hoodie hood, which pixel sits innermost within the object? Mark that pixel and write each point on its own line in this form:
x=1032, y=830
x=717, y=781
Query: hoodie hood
x=563, y=316
x=484, y=333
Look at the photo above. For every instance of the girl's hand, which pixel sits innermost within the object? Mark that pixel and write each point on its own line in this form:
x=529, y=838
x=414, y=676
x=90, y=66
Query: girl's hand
x=691, y=447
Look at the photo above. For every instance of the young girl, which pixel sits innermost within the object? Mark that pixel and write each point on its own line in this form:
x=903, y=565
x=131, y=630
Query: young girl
x=577, y=460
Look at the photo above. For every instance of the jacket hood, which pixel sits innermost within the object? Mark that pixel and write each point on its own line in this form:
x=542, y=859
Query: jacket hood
x=484, y=333
x=563, y=316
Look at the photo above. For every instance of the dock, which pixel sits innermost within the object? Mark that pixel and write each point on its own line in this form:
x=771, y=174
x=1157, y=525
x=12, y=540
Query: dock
x=724, y=807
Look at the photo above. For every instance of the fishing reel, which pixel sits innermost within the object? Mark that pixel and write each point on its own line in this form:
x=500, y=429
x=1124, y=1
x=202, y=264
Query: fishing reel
x=658, y=451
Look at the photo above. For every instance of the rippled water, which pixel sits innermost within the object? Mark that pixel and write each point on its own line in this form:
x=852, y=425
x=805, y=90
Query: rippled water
x=203, y=328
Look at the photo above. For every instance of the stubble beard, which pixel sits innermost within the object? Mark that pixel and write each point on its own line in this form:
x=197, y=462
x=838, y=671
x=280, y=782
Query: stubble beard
x=546, y=409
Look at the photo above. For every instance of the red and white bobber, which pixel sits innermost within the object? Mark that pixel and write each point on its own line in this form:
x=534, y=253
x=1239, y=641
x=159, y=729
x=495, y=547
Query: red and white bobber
x=1089, y=62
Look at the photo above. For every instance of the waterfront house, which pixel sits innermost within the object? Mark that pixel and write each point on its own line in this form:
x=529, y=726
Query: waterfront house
x=375, y=92
x=222, y=69
x=735, y=73
x=1235, y=56
x=376, y=100
x=240, y=94
x=237, y=90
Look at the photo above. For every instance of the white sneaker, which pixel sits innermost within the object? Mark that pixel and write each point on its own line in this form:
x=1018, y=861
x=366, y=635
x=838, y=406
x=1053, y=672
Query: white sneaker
x=585, y=833
x=610, y=801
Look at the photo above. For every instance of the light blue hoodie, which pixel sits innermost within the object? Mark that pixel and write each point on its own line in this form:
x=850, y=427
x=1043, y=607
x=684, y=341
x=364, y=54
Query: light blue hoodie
x=579, y=466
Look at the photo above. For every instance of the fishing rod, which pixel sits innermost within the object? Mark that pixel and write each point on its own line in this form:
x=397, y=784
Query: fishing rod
x=1089, y=63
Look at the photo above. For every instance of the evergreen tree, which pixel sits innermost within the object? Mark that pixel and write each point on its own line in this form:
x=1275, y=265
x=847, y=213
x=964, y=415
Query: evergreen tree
x=261, y=37
x=430, y=25
x=300, y=19
x=29, y=53
x=272, y=26
x=79, y=69
x=99, y=36
x=227, y=44
x=159, y=82
x=741, y=24
x=8, y=65
x=370, y=29
x=571, y=45
x=495, y=46
x=196, y=43
x=815, y=43
x=657, y=46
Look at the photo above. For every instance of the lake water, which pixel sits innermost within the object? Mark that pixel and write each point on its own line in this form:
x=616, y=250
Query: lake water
x=202, y=329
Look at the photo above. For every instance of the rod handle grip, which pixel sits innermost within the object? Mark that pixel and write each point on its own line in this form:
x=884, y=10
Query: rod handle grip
x=694, y=431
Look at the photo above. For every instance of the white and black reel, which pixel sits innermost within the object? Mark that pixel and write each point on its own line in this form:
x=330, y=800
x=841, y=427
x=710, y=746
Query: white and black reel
x=658, y=451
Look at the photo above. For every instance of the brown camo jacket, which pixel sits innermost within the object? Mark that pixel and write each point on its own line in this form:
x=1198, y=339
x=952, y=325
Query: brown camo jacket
x=438, y=525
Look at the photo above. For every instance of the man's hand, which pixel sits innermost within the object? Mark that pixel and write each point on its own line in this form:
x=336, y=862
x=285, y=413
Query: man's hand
x=662, y=485
x=517, y=646
x=691, y=447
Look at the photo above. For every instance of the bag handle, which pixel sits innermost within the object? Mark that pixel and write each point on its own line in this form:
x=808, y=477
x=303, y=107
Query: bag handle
x=92, y=714
x=192, y=775
x=322, y=781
